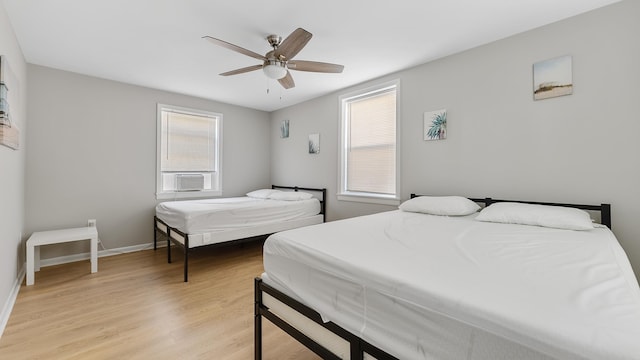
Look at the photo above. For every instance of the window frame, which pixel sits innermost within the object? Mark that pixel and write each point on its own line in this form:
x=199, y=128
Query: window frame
x=216, y=175
x=367, y=197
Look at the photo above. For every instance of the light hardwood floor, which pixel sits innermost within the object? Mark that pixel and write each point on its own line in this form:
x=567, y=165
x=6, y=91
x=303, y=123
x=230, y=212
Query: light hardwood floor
x=137, y=307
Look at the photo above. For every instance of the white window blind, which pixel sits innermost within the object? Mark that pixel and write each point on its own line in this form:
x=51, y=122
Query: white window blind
x=369, y=145
x=372, y=144
x=188, y=142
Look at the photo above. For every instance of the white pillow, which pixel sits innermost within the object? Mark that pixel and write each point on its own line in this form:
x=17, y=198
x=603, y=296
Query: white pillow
x=538, y=215
x=262, y=193
x=440, y=205
x=290, y=195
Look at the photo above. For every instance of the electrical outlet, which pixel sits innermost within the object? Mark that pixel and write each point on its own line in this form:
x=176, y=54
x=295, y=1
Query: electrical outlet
x=91, y=223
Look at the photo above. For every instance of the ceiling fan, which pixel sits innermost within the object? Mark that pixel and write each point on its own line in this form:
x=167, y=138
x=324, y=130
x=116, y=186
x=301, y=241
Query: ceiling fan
x=277, y=62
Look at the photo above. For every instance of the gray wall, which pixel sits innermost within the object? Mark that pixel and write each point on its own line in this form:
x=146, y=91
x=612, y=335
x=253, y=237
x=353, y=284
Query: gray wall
x=12, y=165
x=92, y=154
x=581, y=148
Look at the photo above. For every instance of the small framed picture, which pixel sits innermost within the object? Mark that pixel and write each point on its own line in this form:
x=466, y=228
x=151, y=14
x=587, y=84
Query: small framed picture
x=284, y=129
x=314, y=143
x=552, y=78
x=435, y=125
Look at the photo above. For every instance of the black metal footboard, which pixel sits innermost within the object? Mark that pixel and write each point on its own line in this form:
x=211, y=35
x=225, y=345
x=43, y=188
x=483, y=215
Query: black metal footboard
x=167, y=233
x=357, y=346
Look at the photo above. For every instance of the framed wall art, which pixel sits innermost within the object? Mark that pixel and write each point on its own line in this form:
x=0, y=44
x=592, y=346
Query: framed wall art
x=4, y=104
x=9, y=134
x=284, y=129
x=435, y=125
x=314, y=143
x=552, y=78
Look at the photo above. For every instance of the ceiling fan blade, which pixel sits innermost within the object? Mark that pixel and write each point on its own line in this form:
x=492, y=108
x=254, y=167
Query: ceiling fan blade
x=234, y=48
x=243, y=70
x=287, y=81
x=293, y=44
x=314, y=66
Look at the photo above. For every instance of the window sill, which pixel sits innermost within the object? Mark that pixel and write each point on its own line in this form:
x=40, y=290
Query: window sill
x=187, y=194
x=383, y=200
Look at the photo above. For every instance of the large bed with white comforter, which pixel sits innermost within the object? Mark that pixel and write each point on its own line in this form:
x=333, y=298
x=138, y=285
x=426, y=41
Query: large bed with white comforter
x=410, y=285
x=206, y=222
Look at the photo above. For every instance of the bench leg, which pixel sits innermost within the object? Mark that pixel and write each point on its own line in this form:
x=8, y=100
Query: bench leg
x=94, y=255
x=36, y=259
x=30, y=264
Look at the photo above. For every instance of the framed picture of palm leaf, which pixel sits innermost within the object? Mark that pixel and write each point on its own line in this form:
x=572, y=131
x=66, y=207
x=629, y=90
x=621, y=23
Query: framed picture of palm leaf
x=435, y=125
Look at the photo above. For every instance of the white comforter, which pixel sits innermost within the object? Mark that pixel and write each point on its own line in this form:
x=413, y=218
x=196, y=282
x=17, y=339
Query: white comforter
x=211, y=215
x=564, y=294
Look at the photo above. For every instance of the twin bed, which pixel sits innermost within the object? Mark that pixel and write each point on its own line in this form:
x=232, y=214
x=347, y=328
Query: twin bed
x=209, y=222
x=413, y=284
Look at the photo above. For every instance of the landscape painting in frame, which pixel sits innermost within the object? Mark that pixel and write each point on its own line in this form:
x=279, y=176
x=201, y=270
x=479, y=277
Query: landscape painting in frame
x=552, y=78
x=314, y=143
x=435, y=125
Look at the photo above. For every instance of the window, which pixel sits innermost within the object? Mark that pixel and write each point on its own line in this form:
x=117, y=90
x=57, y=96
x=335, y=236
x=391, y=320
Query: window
x=189, y=153
x=369, y=155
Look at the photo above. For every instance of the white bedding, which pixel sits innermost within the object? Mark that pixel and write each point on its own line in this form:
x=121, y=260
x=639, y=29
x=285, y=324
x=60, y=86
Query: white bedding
x=430, y=287
x=225, y=214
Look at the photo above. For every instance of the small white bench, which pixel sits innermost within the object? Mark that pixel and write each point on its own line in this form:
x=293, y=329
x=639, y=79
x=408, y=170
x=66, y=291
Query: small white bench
x=55, y=237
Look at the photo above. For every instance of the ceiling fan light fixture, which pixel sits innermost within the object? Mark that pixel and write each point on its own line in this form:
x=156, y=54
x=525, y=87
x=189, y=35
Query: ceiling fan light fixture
x=274, y=69
x=277, y=62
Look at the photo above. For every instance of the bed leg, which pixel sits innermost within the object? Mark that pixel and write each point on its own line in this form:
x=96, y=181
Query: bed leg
x=257, y=320
x=186, y=257
x=169, y=246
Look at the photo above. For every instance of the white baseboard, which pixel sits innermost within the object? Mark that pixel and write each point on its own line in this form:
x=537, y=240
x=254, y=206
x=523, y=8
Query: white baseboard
x=101, y=253
x=11, y=300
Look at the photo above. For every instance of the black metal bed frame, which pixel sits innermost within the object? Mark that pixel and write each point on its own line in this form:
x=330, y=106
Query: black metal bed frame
x=185, y=246
x=358, y=346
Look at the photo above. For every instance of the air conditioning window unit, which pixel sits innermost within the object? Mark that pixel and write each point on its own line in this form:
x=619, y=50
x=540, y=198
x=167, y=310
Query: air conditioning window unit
x=189, y=182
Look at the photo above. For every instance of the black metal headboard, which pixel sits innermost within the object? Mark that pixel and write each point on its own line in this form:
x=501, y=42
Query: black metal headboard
x=323, y=200
x=604, y=209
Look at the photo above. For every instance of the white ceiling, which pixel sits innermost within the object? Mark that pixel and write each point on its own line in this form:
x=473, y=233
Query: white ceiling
x=158, y=43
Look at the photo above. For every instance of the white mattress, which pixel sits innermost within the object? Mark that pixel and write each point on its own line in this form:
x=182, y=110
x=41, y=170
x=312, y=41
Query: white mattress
x=223, y=214
x=429, y=287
